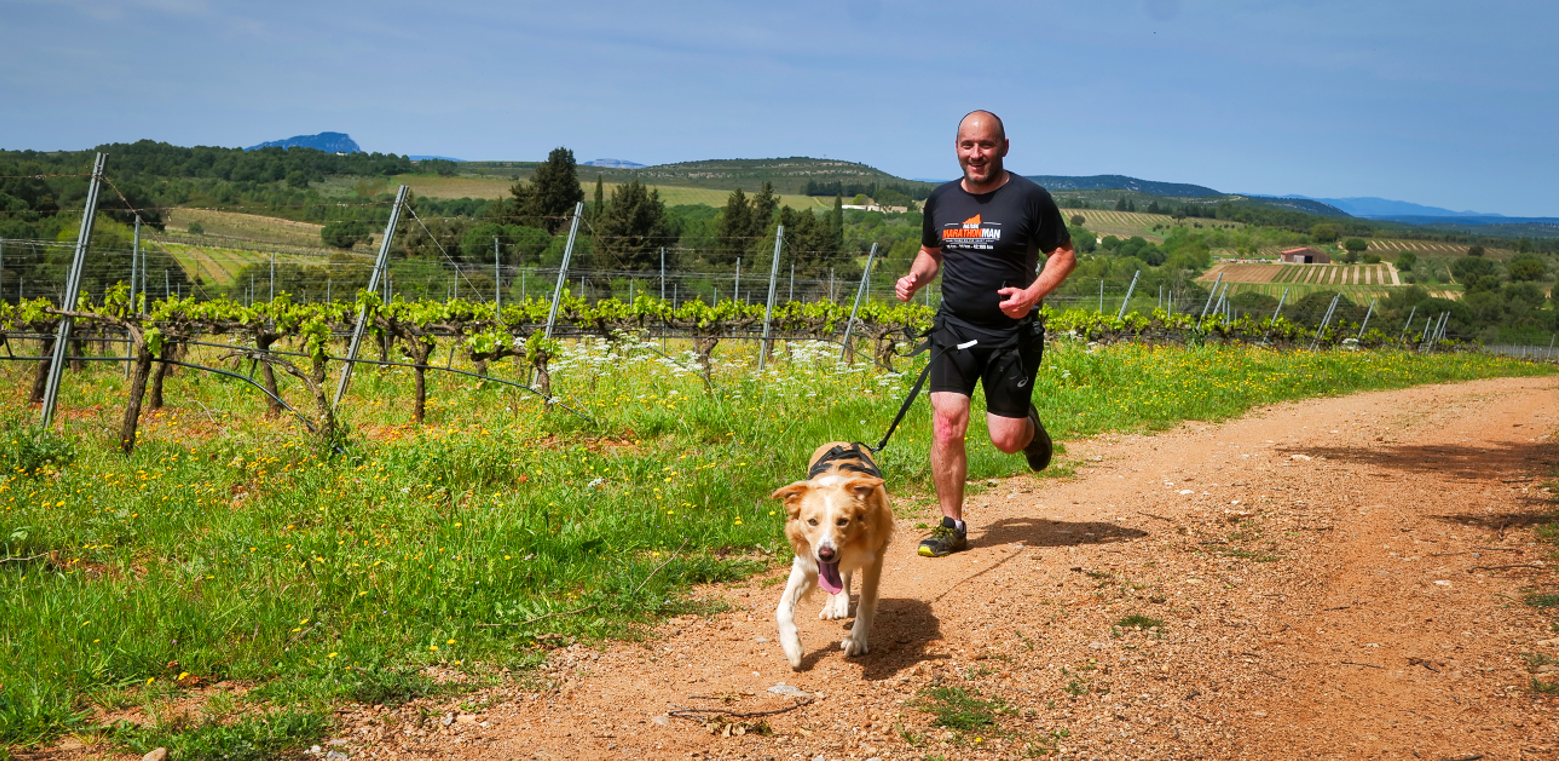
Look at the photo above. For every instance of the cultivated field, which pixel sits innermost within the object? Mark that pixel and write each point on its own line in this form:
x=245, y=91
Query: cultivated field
x=1390, y=248
x=254, y=227
x=1306, y=274
x=219, y=265
x=1124, y=224
x=1359, y=282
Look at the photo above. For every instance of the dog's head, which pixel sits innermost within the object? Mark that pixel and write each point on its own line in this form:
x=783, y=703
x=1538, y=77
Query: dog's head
x=824, y=517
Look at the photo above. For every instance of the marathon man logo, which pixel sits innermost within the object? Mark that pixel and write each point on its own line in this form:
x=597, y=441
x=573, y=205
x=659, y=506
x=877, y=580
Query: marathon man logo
x=971, y=234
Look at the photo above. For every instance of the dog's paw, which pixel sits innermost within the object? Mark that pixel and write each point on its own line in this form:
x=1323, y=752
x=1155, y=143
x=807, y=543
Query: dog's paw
x=854, y=645
x=837, y=607
x=790, y=642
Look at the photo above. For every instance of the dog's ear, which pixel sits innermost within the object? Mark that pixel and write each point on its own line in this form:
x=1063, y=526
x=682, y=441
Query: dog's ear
x=791, y=491
x=863, y=487
x=792, y=496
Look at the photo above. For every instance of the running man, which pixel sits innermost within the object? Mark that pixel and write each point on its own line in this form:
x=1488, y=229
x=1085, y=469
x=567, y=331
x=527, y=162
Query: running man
x=984, y=234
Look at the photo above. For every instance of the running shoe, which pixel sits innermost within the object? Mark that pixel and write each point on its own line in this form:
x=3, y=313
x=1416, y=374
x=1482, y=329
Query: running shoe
x=1039, y=448
x=945, y=539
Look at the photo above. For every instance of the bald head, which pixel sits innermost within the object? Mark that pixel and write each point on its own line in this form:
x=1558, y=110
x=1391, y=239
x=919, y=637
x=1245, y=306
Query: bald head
x=982, y=144
x=983, y=121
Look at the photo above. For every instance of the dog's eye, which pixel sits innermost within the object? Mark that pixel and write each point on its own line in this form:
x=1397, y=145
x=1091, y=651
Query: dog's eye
x=811, y=521
x=843, y=522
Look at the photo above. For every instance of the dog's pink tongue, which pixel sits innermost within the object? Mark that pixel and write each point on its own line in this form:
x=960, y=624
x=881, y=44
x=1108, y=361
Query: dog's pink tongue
x=828, y=578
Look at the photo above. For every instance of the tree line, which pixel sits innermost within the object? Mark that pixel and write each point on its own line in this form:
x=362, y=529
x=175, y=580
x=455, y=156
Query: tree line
x=887, y=194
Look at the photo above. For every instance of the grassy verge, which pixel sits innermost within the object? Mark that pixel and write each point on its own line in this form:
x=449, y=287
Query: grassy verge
x=1544, y=597
x=225, y=551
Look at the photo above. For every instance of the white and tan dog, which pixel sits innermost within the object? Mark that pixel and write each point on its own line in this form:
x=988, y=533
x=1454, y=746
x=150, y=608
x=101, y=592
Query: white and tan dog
x=838, y=521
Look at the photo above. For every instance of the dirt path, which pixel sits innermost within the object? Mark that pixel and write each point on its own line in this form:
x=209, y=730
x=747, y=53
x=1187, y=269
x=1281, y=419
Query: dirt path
x=1324, y=571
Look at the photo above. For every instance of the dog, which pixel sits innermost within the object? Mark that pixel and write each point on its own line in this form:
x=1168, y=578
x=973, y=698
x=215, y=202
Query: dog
x=838, y=521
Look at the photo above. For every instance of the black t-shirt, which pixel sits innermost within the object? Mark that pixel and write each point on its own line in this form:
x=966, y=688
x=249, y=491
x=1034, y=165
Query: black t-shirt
x=990, y=241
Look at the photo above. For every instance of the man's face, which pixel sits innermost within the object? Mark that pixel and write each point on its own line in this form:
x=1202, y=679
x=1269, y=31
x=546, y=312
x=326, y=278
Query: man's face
x=980, y=150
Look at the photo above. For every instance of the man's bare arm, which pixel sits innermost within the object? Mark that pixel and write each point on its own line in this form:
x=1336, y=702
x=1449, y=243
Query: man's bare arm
x=1019, y=301
x=924, y=269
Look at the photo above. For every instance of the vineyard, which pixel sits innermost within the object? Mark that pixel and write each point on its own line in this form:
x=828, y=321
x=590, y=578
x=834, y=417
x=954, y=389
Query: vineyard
x=307, y=341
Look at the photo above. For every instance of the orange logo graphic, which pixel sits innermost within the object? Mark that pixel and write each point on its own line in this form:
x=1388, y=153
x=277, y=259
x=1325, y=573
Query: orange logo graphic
x=972, y=229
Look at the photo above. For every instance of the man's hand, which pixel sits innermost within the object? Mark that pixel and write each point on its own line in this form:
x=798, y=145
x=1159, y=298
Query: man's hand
x=1016, y=302
x=924, y=269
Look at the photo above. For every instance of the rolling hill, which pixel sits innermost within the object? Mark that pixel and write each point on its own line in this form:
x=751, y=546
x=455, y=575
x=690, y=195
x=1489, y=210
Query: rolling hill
x=1122, y=182
x=329, y=142
x=788, y=175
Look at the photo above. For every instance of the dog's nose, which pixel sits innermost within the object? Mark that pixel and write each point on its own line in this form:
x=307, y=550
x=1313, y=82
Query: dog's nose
x=825, y=553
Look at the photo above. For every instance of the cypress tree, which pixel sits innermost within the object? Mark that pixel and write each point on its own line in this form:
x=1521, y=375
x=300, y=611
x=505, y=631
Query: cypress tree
x=836, y=225
x=736, y=227
x=763, y=206
x=634, y=227
x=552, y=192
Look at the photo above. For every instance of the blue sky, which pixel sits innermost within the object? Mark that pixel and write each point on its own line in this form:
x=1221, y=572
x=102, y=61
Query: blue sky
x=1448, y=104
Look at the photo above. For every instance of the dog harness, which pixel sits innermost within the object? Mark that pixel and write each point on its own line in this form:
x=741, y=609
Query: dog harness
x=850, y=458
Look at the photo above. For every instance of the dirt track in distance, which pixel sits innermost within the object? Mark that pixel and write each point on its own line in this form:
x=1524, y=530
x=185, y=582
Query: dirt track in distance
x=1328, y=575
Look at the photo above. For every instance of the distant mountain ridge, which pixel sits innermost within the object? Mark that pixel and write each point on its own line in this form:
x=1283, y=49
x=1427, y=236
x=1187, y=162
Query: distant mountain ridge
x=1406, y=212
x=1371, y=207
x=614, y=164
x=329, y=142
x=1179, y=190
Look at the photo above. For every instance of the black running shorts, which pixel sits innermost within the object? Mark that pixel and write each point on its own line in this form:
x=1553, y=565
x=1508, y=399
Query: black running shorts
x=1006, y=374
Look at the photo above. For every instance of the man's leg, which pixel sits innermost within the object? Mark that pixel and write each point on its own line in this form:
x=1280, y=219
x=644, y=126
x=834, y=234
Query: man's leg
x=1011, y=418
x=949, y=461
x=1009, y=434
x=949, y=468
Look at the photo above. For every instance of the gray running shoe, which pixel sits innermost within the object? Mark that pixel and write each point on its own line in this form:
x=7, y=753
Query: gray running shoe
x=1039, y=449
x=945, y=539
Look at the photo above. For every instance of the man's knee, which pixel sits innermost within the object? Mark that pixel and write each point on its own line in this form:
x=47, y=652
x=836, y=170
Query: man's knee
x=949, y=421
x=949, y=428
x=1009, y=435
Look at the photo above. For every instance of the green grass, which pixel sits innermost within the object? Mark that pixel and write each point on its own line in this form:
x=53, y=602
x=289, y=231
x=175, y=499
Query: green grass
x=958, y=708
x=225, y=548
x=1138, y=621
x=251, y=738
